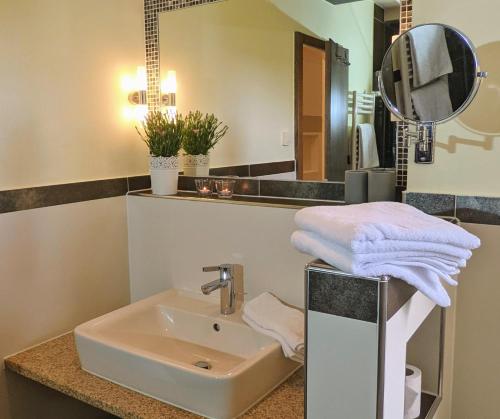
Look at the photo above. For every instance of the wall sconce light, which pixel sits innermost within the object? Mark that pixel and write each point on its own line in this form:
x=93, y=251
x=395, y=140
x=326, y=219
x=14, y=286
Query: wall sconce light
x=138, y=96
x=169, y=92
x=136, y=89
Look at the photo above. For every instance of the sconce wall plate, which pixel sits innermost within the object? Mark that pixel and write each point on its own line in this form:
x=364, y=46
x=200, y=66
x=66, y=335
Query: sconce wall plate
x=138, y=97
x=168, y=99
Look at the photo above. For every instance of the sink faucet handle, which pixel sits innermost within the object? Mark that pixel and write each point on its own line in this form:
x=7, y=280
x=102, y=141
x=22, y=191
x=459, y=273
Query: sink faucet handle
x=211, y=268
x=225, y=269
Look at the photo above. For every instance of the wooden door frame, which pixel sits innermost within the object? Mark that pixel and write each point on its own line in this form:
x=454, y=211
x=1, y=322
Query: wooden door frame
x=302, y=39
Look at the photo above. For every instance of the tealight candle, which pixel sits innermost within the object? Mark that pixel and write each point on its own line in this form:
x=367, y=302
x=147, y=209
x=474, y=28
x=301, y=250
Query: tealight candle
x=204, y=187
x=225, y=188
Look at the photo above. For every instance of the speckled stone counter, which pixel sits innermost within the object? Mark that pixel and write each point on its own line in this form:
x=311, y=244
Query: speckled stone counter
x=55, y=364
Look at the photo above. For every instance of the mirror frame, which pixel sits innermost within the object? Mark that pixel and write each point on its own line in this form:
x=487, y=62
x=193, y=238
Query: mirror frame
x=152, y=9
x=477, y=79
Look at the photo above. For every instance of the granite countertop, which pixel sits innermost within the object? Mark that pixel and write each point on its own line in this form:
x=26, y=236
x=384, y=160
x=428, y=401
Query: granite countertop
x=55, y=364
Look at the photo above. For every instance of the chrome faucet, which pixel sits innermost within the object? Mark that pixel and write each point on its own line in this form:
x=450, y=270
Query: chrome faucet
x=230, y=283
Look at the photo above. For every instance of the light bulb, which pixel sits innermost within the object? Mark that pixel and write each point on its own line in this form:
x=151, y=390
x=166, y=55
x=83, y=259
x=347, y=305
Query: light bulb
x=169, y=85
x=142, y=78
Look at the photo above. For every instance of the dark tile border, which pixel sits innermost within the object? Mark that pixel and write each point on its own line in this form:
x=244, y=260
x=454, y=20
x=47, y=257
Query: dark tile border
x=242, y=171
x=273, y=168
x=333, y=292
x=303, y=193
x=434, y=204
x=333, y=191
x=68, y=193
x=343, y=295
x=468, y=209
x=478, y=210
x=244, y=186
x=137, y=183
x=254, y=170
x=323, y=191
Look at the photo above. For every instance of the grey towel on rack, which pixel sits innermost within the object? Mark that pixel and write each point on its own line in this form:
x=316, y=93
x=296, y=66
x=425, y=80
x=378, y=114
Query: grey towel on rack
x=368, y=154
x=429, y=53
x=432, y=102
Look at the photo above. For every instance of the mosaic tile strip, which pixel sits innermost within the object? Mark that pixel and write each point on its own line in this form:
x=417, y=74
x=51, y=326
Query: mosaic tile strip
x=152, y=8
x=406, y=22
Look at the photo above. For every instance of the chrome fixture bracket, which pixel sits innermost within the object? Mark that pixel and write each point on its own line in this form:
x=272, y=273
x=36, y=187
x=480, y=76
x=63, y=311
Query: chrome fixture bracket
x=138, y=97
x=424, y=137
x=168, y=99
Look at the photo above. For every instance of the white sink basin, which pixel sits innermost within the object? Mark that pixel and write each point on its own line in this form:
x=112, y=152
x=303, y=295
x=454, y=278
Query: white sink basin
x=152, y=346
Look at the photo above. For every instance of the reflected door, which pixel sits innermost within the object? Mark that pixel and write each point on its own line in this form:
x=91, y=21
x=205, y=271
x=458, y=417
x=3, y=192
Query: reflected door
x=337, y=147
x=313, y=113
x=321, y=90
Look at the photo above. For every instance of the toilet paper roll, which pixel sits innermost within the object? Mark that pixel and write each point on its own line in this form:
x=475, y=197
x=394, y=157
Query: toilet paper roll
x=413, y=391
x=356, y=186
x=381, y=185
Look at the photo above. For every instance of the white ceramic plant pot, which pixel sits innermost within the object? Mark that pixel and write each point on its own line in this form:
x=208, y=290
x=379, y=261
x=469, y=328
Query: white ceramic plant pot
x=164, y=175
x=198, y=165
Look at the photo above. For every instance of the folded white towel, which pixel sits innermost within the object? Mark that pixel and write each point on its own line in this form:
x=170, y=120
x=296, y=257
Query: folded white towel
x=356, y=227
x=384, y=246
x=361, y=263
x=270, y=316
x=424, y=273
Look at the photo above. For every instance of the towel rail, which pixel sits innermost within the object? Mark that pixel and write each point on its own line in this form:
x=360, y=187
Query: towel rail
x=359, y=104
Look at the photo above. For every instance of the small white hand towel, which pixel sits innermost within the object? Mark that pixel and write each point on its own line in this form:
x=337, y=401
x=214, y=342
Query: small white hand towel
x=432, y=102
x=423, y=275
x=368, y=154
x=270, y=316
x=356, y=226
x=288, y=351
x=430, y=54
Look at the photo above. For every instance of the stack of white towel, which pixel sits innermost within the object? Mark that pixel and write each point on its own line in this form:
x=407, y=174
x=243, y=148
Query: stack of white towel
x=387, y=238
x=269, y=316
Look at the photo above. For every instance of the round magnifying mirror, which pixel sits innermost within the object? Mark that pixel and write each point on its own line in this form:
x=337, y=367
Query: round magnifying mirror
x=430, y=74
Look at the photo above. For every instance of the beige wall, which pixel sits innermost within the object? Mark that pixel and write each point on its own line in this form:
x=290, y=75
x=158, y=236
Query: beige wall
x=207, y=234
x=60, y=266
x=61, y=121
x=467, y=163
x=350, y=25
x=61, y=101
x=477, y=344
x=468, y=148
x=236, y=59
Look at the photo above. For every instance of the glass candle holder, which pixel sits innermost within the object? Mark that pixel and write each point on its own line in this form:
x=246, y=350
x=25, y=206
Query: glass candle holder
x=204, y=187
x=225, y=188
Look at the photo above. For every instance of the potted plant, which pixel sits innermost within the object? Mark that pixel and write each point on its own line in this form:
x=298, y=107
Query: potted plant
x=202, y=133
x=163, y=136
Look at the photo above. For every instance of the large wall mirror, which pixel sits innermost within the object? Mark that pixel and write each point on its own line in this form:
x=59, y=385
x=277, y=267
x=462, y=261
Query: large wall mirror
x=293, y=80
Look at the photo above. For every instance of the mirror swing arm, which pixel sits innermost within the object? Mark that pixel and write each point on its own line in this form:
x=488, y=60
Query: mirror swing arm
x=423, y=138
x=424, y=134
